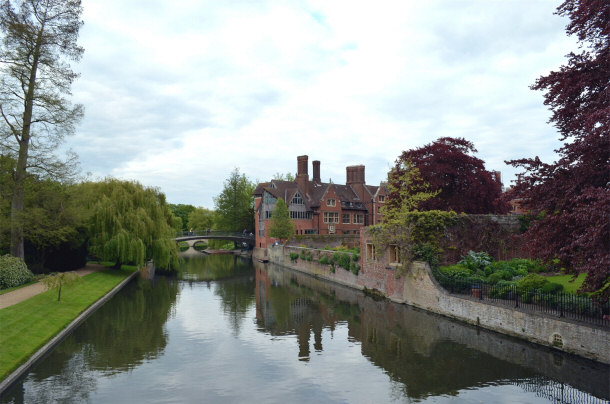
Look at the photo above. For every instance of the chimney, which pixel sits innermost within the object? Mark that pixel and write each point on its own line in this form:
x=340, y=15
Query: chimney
x=302, y=176
x=355, y=175
x=316, y=171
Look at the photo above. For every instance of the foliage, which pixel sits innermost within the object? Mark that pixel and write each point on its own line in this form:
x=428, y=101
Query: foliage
x=13, y=272
x=129, y=223
x=201, y=219
x=407, y=190
x=182, y=211
x=280, y=225
x=531, y=282
x=573, y=192
x=342, y=259
x=39, y=40
x=459, y=181
x=306, y=255
x=235, y=204
x=294, y=256
x=476, y=261
x=417, y=234
x=283, y=177
x=324, y=259
x=59, y=280
x=200, y=246
x=354, y=267
x=183, y=246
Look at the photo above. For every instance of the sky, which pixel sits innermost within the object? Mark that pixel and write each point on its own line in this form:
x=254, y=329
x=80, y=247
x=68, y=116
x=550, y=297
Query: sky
x=179, y=94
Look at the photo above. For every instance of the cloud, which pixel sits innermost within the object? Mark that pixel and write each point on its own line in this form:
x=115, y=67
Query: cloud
x=178, y=94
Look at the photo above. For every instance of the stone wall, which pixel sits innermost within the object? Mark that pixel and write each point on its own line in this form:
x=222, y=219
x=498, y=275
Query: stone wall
x=417, y=287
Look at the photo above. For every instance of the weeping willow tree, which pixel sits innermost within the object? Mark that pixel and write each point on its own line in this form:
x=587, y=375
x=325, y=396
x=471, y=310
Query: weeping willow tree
x=129, y=223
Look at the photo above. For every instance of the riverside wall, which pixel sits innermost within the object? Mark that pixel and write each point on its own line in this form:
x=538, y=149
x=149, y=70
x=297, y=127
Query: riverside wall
x=417, y=287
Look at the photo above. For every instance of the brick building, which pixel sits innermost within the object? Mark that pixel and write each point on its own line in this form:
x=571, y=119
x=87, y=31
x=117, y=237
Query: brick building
x=318, y=207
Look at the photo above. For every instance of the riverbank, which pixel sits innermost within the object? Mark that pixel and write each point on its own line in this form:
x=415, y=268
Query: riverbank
x=419, y=288
x=32, y=327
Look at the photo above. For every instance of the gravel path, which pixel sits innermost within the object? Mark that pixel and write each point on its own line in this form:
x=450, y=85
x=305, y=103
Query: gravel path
x=19, y=295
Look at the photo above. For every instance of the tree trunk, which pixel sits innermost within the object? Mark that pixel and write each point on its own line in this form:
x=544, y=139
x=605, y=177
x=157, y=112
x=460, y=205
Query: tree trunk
x=17, y=249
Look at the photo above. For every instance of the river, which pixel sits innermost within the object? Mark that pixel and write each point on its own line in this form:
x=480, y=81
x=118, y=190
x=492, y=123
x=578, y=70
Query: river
x=227, y=330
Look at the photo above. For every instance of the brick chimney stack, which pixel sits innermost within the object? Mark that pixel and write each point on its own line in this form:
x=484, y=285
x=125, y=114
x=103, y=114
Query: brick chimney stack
x=302, y=175
x=354, y=175
x=316, y=171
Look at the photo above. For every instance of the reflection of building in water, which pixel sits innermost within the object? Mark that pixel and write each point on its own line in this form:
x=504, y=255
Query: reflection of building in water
x=426, y=354
x=282, y=309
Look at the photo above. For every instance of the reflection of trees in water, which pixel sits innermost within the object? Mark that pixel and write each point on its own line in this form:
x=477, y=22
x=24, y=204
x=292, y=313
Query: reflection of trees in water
x=213, y=267
x=123, y=333
x=236, y=296
x=424, y=354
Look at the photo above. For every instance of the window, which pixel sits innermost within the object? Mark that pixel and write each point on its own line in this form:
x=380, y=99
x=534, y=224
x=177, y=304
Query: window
x=394, y=254
x=370, y=252
x=331, y=217
x=268, y=214
x=300, y=215
x=381, y=198
x=269, y=198
x=297, y=199
x=331, y=202
x=358, y=218
x=345, y=218
x=311, y=231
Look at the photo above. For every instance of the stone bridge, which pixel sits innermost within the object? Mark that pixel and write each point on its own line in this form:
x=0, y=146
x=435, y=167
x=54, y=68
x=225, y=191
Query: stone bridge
x=191, y=237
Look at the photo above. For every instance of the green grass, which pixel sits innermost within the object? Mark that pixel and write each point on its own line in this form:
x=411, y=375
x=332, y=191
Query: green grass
x=27, y=326
x=568, y=287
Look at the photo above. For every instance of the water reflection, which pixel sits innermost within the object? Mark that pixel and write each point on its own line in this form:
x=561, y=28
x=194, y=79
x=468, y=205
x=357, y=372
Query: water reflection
x=123, y=333
x=225, y=332
x=426, y=355
x=213, y=267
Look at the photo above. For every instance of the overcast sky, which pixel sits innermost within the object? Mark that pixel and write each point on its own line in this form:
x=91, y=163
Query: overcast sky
x=179, y=93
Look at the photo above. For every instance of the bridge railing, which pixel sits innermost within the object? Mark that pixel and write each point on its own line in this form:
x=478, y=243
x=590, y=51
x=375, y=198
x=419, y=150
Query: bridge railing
x=215, y=234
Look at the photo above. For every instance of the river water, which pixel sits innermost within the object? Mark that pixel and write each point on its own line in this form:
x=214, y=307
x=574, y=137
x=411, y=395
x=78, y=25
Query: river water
x=230, y=331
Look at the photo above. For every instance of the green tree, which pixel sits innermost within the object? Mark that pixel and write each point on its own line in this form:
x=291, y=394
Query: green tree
x=182, y=211
x=39, y=40
x=280, y=225
x=406, y=191
x=129, y=223
x=235, y=204
x=283, y=177
x=57, y=281
x=201, y=219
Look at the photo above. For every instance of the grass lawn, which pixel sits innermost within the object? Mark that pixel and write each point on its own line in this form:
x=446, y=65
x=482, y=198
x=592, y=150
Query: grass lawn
x=27, y=326
x=568, y=287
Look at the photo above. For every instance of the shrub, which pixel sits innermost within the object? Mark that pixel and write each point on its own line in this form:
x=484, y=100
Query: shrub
x=427, y=252
x=552, y=287
x=294, y=256
x=354, y=267
x=502, y=290
x=456, y=271
x=356, y=257
x=476, y=261
x=494, y=278
x=324, y=259
x=531, y=282
x=306, y=255
x=342, y=259
x=13, y=272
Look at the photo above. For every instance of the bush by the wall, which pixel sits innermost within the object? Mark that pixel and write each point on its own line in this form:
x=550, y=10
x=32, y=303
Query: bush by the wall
x=294, y=256
x=13, y=272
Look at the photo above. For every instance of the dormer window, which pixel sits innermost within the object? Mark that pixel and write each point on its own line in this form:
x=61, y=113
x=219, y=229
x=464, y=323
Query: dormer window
x=381, y=198
x=331, y=202
x=297, y=199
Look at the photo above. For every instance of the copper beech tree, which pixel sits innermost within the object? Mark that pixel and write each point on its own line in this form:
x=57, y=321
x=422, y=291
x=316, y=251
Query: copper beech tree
x=448, y=166
x=569, y=199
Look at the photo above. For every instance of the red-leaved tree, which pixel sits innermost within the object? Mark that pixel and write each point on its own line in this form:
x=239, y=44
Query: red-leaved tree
x=448, y=165
x=570, y=197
